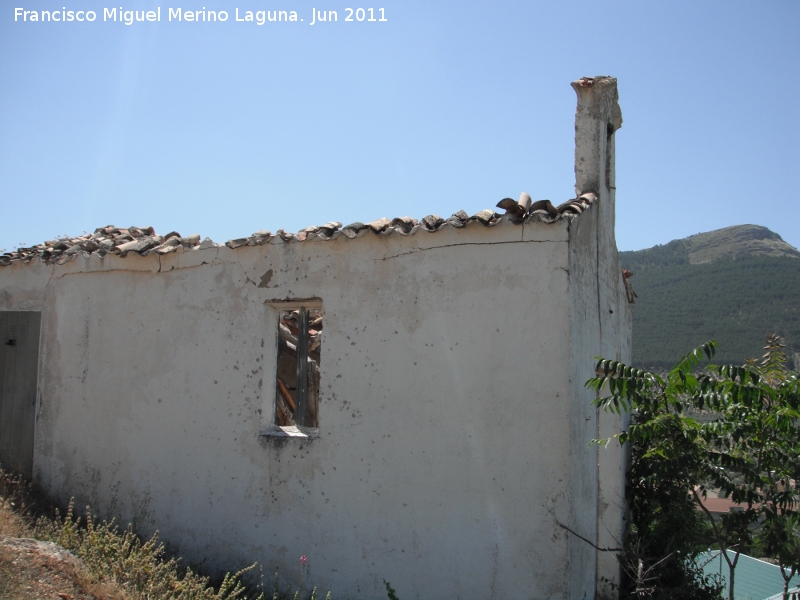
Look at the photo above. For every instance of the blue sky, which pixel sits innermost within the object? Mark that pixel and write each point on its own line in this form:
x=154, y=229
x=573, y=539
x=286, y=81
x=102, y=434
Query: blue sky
x=226, y=128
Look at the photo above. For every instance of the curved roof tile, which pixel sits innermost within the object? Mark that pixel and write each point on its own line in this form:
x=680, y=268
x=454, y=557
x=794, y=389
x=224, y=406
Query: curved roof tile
x=144, y=240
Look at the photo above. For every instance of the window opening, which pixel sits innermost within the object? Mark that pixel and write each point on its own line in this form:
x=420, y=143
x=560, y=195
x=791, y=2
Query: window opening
x=299, y=353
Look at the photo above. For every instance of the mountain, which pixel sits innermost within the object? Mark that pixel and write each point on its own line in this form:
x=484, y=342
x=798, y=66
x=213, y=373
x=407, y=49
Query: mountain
x=733, y=285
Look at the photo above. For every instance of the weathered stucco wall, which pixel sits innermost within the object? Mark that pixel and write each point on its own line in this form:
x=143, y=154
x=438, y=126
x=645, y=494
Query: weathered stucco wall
x=452, y=457
x=601, y=322
x=446, y=453
x=600, y=325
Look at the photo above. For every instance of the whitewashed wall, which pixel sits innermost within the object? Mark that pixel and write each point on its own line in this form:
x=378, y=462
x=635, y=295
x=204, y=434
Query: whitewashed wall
x=451, y=443
x=601, y=321
x=453, y=451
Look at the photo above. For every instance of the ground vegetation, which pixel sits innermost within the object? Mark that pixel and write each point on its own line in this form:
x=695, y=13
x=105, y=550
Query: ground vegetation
x=47, y=553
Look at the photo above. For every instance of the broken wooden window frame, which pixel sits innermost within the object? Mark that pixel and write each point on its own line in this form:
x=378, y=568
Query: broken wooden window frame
x=307, y=426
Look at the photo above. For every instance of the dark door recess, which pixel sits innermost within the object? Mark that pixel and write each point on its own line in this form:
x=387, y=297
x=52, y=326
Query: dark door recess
x=19, y=360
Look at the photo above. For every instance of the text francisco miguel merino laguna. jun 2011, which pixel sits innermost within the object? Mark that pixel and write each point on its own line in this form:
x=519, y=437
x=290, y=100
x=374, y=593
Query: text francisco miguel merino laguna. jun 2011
x=169, y=14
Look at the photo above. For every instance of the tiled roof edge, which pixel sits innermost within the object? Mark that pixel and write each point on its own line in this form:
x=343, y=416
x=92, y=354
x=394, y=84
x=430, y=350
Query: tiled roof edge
x=144, y=241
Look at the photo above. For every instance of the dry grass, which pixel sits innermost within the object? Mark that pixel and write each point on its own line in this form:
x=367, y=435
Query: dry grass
x=11, y=524
x=114, y=564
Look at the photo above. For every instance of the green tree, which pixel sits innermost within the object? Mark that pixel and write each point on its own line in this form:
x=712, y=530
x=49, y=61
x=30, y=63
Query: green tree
x=749, y=451
x=666, y=533
x=778, y=449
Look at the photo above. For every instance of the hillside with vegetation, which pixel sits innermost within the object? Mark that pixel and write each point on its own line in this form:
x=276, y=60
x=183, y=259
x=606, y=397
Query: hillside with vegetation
x=733, y=285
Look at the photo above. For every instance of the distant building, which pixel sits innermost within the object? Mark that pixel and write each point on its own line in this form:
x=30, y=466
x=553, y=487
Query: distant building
x=399, y=400
x=721, y=506
x=754, y=579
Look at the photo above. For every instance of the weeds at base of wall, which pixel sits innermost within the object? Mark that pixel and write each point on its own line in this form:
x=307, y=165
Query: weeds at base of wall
x=117, y=564
x=140, y=568
x=286, y=593
x=118, y=561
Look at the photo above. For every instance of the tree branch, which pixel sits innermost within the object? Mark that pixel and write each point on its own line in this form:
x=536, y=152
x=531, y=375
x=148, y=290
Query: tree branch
x=593, y=545
x=722, y=545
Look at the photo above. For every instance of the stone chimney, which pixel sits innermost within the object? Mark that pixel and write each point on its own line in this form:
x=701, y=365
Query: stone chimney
x=597, y=118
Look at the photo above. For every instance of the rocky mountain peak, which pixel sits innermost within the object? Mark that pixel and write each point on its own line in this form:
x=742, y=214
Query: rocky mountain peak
x=739, y=239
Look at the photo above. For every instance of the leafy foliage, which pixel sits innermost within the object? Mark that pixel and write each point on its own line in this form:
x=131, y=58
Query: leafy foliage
x=666, y=532
x=750, y=451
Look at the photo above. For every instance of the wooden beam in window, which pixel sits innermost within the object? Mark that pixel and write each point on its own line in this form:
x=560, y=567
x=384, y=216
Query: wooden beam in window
x=301, y=416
